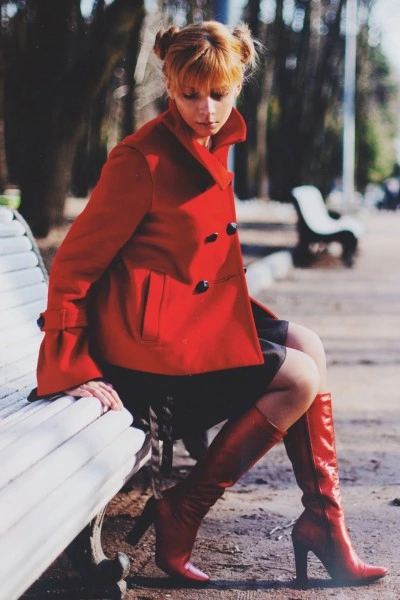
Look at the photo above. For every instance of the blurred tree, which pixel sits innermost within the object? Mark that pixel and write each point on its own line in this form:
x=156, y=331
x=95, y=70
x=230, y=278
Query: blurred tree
x=376, y=123
x=296, y=102
x=307, y=88
x=57, y=65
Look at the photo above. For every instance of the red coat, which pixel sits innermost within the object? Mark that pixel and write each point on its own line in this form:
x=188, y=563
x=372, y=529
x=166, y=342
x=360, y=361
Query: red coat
x=150, y=275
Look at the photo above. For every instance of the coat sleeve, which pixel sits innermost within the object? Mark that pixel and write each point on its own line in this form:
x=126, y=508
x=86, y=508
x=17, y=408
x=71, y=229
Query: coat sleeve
x=118, y=203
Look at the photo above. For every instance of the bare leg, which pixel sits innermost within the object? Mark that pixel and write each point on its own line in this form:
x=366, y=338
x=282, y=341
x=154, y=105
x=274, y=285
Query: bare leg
x=307, y=341
x=292, y=390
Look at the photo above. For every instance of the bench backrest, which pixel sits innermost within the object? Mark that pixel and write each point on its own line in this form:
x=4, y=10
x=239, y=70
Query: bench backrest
x=312, y=206
x=23, y=295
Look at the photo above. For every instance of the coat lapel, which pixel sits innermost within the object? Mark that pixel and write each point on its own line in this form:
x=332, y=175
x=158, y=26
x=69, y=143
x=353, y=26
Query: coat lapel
x=214, y=162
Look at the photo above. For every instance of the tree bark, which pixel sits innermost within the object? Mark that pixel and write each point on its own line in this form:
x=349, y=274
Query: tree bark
x=56, y=64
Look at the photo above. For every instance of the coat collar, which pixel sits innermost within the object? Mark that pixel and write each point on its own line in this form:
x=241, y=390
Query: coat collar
x=232, y=132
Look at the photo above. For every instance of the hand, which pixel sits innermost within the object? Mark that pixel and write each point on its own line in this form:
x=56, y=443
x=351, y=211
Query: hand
x=99, y=389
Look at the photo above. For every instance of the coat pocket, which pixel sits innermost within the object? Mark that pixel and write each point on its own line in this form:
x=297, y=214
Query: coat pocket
x=152, y=311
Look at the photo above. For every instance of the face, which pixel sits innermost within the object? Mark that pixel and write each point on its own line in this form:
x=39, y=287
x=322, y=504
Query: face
x=205, y=111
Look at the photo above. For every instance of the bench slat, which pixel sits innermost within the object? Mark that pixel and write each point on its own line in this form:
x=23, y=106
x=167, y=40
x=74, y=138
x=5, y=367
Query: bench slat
x=12, y=299
x=21, y=422
x=20, y=279
x=14, y=245
x=18, y=375
x=14, y=458
x=29, y=312
x=20, y=260
x=19, y=333
x=78, y=500
x=6, y=214
x=15, y=352
x=24, y=493
x=19, y=411
x=12, y=228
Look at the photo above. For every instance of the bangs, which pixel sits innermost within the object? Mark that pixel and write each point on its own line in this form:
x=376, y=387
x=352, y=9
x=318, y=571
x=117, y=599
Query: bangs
x=210, y=70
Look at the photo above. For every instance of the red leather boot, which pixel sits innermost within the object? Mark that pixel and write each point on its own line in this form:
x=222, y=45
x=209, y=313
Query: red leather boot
x=178, y=514
x=321, y=528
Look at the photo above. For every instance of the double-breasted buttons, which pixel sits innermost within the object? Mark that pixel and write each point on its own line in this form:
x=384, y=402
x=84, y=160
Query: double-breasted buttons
x=212, y=237
x=202, y=286
x=231, y=228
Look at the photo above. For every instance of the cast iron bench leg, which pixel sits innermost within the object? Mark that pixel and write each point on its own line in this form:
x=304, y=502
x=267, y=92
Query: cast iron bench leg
x=99, y=572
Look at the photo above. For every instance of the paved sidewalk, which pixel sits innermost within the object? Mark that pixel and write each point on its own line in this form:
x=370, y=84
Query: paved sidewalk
x=268, y=235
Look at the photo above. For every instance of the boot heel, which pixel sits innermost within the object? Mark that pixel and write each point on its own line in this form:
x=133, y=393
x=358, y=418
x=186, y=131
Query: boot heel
x=142, y=523
x=300, y=558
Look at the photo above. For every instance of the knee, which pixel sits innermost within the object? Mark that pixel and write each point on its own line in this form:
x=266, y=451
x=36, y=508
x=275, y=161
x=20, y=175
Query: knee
x=307, y=341
x=306, y=380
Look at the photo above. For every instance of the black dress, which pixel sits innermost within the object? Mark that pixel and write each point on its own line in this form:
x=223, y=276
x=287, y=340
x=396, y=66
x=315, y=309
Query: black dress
x=198, y=402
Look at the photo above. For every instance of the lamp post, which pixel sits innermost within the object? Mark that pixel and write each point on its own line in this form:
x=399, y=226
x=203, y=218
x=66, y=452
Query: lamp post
x=349, y=136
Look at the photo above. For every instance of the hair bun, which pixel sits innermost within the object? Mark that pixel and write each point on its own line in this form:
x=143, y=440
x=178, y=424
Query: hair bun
x=248, y=52
x=164, y=39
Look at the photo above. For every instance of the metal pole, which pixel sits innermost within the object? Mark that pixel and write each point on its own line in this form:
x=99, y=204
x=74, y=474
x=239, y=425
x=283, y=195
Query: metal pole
x=222, y=11
x=349, y=135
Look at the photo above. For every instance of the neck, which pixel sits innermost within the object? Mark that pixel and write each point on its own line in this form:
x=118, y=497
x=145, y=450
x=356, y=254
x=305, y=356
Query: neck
x=207, y=143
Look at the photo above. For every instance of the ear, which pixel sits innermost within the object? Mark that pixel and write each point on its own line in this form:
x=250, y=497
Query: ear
x=238, y=89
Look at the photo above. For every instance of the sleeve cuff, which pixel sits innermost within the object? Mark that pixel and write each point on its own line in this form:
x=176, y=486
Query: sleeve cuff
x=63, y=318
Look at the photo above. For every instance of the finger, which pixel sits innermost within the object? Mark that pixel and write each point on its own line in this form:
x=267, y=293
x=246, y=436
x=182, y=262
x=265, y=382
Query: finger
x=116, y=402
x=105, y=394
x=79, y=392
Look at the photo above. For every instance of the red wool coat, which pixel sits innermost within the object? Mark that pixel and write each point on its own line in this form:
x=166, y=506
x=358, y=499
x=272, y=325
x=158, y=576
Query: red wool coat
x=150, y=275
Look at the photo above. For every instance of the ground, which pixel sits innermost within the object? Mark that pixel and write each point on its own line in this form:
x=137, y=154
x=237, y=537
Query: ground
x=244, y=543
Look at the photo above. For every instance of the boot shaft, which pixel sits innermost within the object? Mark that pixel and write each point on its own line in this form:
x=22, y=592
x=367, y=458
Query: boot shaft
x=311, y=448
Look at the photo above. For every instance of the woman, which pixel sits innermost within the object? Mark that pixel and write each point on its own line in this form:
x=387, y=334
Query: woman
x=148, y=305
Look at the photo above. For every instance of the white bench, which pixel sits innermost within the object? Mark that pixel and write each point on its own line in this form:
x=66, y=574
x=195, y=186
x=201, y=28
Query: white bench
x=61, y=460
x=316, y=225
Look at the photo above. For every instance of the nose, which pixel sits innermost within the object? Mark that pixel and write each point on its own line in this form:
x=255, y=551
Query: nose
x=207, y=106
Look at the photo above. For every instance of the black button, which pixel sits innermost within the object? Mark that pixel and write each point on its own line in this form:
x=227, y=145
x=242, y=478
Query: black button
x=245, y=269
x=212, y=237
x=231, y=228
x=202, y=286
x=40, y=321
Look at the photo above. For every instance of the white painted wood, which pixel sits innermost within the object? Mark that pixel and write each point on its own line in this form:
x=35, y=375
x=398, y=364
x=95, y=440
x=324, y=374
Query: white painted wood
x=11, y=374
x=16, y=351
x=12, y=228
x=15, y=244
x=20, y=279
x=53, y=523
x=18, y=261
x=25, y=493
x=61, y=460
x=19, y=333
x=27, y=313
x=47, y=436
x=21, y=422
x=14, y=298
x=22, y=409
x=6, y=214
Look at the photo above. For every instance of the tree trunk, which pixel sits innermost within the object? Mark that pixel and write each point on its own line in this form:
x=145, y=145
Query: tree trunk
x=56, y=66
